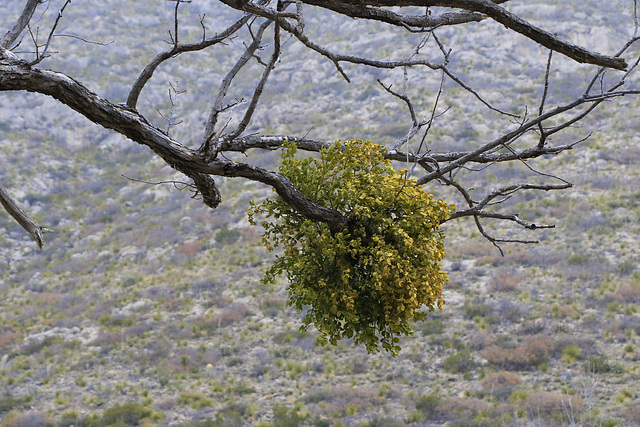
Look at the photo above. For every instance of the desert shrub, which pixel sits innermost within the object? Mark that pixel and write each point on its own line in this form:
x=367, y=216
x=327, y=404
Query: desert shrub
x=370, y=278
x=459, y=362
x=8, y=403
x=225, y=418
x=107, y=339
x=227, y=236
x=128, y=414
x=289, y=336
x=71, y=419
x=7, y=339
x=27, y=419
x=189, y=249
x=579, y=259
x=504, y=280
x=547, y=404
x=632, y=412
x=571, y=353
x=432, y=327
x=534, y=350
x=465, y=411
x=37, y=346
x=225, y=317
x=428, y=405
x=602, y=365
x=284, y=417
x=342, y=398
x=476, y=308
x=626, y=293
x=317, y=396
x=194, y=399
x=532, y=327
x=501, y=384
x=563, y=311
x=508, y=311
x=478, y=340
x=383, y=422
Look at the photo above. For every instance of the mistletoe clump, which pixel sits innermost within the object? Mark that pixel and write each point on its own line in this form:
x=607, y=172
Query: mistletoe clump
x=371, y=278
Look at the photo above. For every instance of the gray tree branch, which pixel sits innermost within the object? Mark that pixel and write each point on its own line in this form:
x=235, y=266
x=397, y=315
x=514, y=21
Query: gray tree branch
x=11, y=206
x=18, y=75
x=23, y=20
x=506, y=18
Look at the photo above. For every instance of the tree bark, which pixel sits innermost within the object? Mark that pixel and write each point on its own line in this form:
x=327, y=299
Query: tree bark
x=20, y=76
x=21, y=217
x=495, y=12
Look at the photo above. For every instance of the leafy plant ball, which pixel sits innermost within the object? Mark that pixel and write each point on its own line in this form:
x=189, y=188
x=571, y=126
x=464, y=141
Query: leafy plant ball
x=370, y=279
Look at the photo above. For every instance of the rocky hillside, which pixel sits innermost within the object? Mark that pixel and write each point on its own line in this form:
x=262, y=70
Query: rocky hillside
x=145, y=307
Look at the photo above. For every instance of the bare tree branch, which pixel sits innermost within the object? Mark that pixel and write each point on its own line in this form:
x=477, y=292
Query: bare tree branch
x=259, y=87
x=389, y=17
x=525, y=140
x=22, y=218
x=20, y=76
x=40, y=57
x=218, y=107
x=176, y=50
x=12, y=35
x=506, y=18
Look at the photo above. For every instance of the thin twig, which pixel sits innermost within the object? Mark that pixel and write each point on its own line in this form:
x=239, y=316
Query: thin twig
x=39, y=58
x=210, y=127
x=543, y=135
x=260, y=86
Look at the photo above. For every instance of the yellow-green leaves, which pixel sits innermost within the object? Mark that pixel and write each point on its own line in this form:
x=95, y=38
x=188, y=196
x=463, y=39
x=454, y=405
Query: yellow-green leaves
x=369, y=280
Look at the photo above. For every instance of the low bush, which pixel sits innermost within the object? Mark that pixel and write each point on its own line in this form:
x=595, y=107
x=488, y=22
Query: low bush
x=550, y=404
x=285, y=417
x=501, y=384
x=505, y=280
x=428, y=405
x=460, y=362
x=128, y=414
x=533, y=351
x=602, y=365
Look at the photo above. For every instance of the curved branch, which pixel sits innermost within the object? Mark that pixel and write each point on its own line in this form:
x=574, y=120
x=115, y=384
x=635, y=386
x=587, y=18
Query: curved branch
x=260, y=86
x=217, y=108
x=176, y=50
x=389, y=17
x=18, y=75
x=506, y=18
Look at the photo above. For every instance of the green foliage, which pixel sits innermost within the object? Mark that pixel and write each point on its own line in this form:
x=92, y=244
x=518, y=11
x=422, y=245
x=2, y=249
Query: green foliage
x=602, y=364
x=284, y=417
x=428, y=404
x=571, y=353
x=195, y=399
x=128, y=414
x=368, y=280
x=459, y=362
x=227, y=236
x=8, y=403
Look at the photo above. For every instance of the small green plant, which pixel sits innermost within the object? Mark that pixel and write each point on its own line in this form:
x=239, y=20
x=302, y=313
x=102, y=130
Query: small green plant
x=128, y=414
x=9, y=402
x=284, y=417
x=460, y=362
x=602, y=364
x=195, y=399
x=428, y=405
x=571, y=353
x=369, y=279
